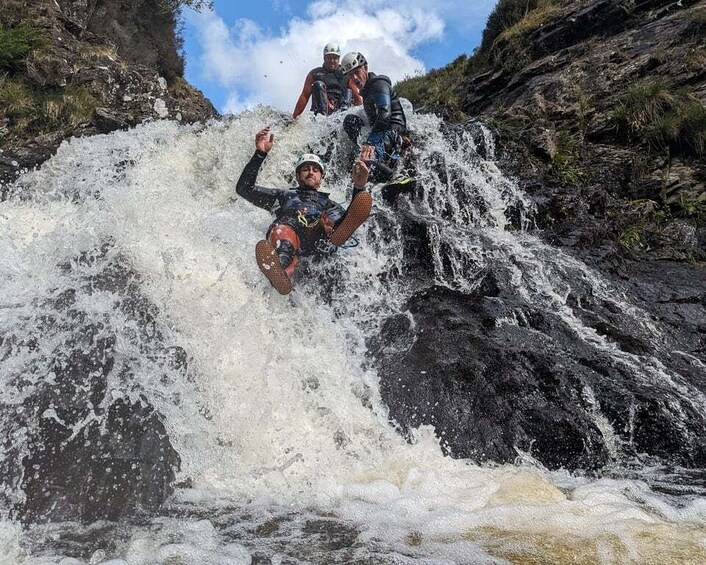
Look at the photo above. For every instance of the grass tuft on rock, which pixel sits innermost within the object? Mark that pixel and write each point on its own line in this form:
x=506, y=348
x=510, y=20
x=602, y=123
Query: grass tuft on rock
x=16, y=44
x=39, y=111
x=665, y=119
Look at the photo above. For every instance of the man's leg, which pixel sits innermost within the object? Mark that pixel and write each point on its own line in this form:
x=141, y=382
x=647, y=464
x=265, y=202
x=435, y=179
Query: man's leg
x=358, y=211
x=277, y=256
x=319, y=99
x=346, y=100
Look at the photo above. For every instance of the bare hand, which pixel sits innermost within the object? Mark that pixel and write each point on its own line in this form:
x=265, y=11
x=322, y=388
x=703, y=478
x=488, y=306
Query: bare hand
x=367, y=153
x=264, y=140
x=360, y=173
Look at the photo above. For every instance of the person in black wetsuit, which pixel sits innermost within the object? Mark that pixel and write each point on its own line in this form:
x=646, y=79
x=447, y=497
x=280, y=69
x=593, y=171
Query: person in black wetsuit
x=304, y=215
x=327, y=87
x=384, y=113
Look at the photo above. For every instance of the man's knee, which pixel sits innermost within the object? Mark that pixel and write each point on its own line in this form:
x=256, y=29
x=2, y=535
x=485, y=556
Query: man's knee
x=352, y=125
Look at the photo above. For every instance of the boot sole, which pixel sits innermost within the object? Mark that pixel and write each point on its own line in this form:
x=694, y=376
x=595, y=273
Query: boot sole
x=268, y=262
x=357, y=213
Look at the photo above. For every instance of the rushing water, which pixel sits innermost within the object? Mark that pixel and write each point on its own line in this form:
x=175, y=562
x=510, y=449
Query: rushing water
x=287, y=453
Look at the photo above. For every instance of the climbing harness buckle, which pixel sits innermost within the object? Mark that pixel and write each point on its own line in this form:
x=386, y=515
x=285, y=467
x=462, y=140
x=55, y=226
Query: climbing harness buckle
x=308, y=219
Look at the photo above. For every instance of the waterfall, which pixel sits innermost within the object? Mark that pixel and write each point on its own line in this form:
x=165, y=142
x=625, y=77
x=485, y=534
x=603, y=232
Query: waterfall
x=126, y=259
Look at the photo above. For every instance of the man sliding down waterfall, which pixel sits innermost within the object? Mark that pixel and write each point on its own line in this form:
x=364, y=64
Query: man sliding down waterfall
x=303, y=215
x=389, y=136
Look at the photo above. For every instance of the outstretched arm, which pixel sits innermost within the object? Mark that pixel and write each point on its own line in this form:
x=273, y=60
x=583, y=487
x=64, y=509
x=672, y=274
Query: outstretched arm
x=262, y=197
x=304, y=96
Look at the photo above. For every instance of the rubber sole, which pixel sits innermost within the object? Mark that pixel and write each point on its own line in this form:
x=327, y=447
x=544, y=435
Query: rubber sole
x=357, y=213
x=268, y=262
x=392, y=189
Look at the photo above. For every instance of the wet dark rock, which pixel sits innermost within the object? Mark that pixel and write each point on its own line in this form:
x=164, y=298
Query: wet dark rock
x=107, y=120
x=86, y=442
x=494, y=375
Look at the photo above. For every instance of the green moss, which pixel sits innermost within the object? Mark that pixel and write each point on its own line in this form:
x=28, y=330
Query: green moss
x=16, y=44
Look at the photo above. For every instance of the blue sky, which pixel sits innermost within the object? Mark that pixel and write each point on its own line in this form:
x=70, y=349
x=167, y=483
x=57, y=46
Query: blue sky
x=243, y=54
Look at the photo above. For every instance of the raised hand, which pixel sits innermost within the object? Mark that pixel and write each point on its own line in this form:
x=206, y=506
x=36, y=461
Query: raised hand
x=367, y=153
x=264, y=140
x=360, y=173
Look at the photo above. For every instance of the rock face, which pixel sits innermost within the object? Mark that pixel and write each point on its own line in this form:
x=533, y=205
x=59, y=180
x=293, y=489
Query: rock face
x=102, y=66
x=605, y=122
x=496, y=376
x=84, y=443
x=596, y=105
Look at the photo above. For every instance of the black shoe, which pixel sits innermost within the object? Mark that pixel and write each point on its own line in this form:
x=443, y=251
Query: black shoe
x=285, y=251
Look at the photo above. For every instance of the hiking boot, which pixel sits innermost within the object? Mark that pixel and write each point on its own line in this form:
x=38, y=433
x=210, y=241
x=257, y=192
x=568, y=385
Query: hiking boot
x=269, y=263
x=357, y=213
x=399, y=185
x=285, y=251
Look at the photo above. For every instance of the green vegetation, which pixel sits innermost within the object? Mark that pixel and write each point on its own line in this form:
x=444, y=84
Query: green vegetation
x=667, y=120
x=437, y=87
x=565, y=163
x=39, y=111
x=507, y=14
x=632, y=238
x=514, y=35
x=503, y=48
x=696, y=59
x=692, y=205
x=16, y=44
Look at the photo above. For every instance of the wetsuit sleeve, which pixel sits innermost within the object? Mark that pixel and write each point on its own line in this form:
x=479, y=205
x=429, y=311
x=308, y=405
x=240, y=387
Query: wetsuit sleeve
x=381, y=95
x=304, y=96
x=262, y=197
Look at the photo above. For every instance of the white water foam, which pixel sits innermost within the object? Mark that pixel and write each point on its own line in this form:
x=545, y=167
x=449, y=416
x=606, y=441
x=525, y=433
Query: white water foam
x=280, y=412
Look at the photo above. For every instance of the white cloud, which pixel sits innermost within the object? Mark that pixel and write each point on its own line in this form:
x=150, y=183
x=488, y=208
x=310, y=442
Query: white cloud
x=259, y=67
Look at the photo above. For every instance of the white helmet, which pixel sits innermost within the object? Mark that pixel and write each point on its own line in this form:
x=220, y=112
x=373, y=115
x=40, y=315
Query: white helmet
x=311, y=158
x=332, y=49
x=352, y=61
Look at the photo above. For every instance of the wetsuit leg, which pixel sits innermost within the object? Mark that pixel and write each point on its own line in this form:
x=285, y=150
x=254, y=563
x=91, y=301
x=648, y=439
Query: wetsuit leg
x=346, y=100
x=319, y=99
x=286, y=243
x=386, y=154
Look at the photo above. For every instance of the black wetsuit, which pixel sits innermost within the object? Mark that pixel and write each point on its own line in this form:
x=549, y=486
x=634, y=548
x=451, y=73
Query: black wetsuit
x=291, y=206
x=388, y=123
x=382, y=105
x=331, y=86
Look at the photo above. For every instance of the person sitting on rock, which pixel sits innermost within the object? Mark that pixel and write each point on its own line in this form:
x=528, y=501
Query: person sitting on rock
x=304, y=215
x=327, y=87
x=388, y=136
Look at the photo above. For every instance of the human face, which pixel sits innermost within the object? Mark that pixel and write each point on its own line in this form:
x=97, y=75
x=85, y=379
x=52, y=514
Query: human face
x=310, y=175
x=331, y=61
x=359, y=76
